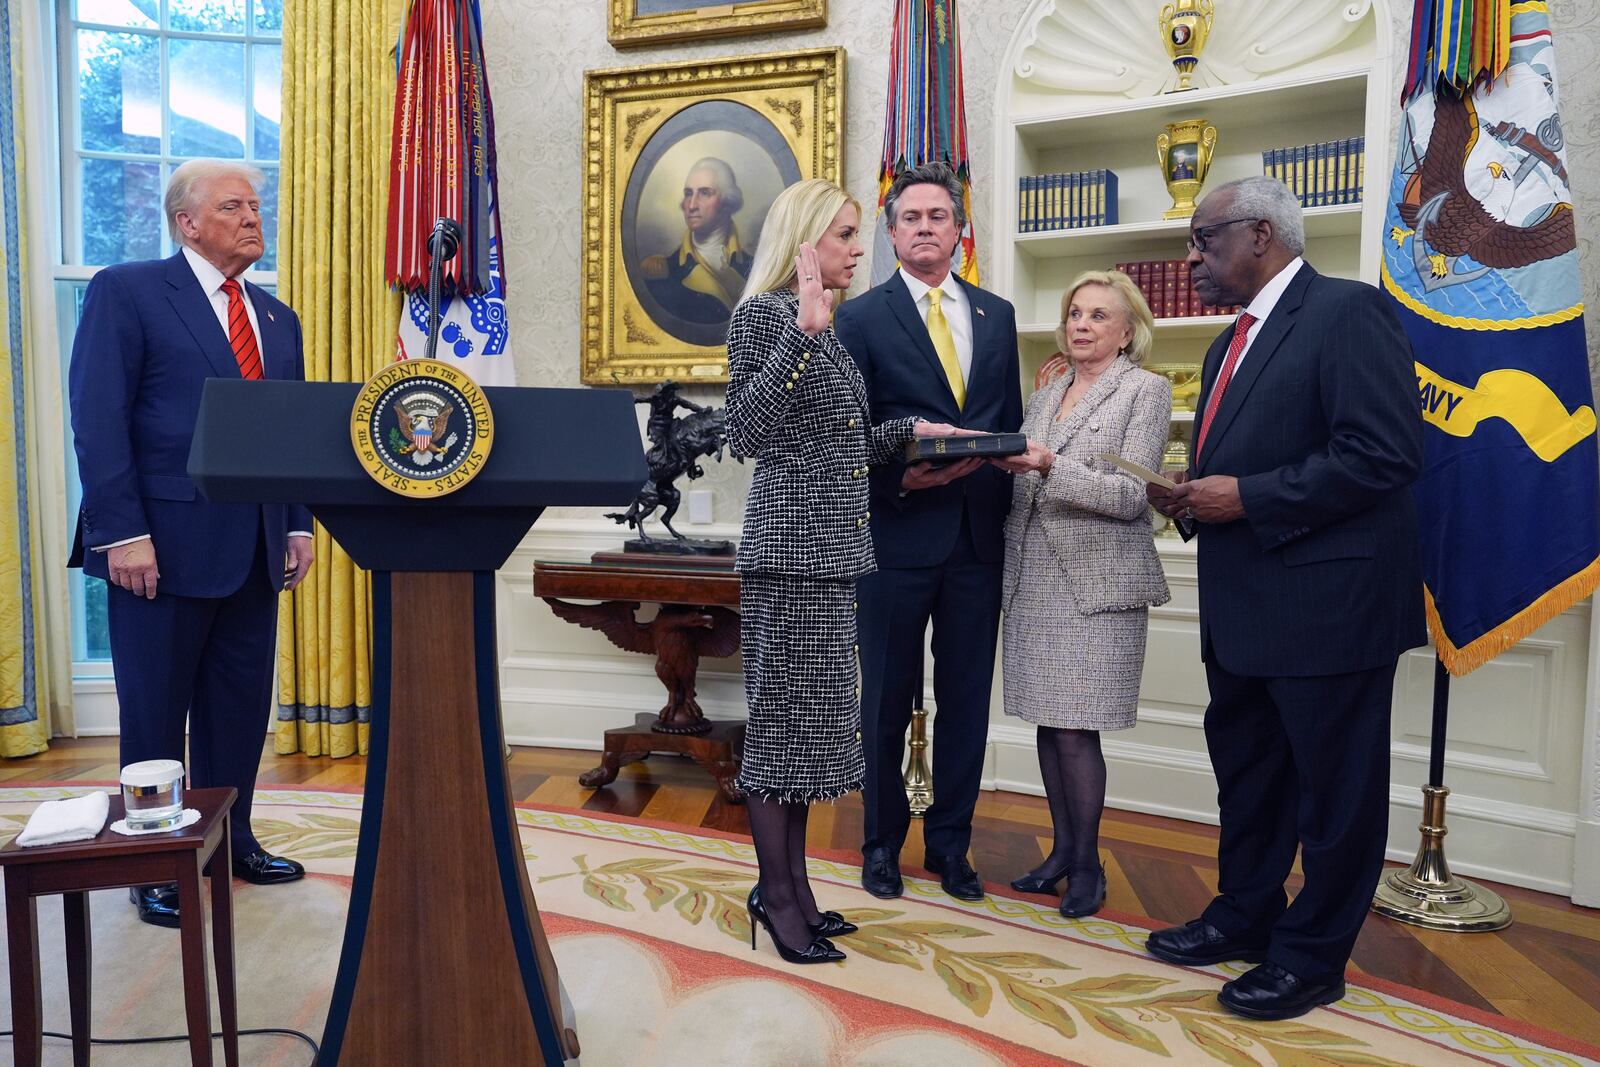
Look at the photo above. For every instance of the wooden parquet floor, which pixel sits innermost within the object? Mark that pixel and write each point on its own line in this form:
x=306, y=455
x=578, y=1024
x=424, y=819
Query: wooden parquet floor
x=1544, y=969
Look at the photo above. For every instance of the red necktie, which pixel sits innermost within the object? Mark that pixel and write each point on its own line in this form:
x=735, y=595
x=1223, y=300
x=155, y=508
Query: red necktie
x=1241, y=333
x=240, y=335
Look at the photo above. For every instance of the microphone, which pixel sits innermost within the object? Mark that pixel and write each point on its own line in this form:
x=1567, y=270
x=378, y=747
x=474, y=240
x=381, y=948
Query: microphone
x=445, y=239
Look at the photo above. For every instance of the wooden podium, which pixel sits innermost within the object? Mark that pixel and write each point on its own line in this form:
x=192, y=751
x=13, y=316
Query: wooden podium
x=444, y=958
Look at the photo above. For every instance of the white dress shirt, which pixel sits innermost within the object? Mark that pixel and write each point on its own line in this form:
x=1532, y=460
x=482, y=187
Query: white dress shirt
x=1265, y=301
x=957, y=312
x=211, y=279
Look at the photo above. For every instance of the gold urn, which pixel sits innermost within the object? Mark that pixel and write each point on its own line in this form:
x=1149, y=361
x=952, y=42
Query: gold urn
x=1185, y=26
x=1185, y=150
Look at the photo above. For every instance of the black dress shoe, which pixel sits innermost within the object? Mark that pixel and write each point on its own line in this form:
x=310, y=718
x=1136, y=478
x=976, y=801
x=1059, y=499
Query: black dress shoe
x=956, y=876
x=880, y=873
x=1038, y=883
x=833, y=925
x=157, y=904
x=263, y=868
x=1270, y=992
x=820, y=950
x=1086, y=892
x=1198, y=944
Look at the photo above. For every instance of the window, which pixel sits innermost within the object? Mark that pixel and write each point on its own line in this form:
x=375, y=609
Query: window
x=145, y=85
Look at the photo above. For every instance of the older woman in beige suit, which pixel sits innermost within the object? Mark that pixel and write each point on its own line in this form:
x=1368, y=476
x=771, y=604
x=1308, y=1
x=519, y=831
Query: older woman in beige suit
x=1081, y=568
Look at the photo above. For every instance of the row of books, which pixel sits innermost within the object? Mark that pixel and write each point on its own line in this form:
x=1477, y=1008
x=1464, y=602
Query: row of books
x=1331, y=172
x=1067, y=201
x=1168, y=290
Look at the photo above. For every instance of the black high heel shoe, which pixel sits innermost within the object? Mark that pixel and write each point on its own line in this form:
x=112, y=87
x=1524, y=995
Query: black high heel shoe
x=820, y=950
x=1086, y=892
x=1033, y=883
x=833, y=925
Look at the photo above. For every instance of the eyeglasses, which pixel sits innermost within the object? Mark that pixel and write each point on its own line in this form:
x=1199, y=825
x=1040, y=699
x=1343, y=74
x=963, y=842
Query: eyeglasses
x=1198, y=239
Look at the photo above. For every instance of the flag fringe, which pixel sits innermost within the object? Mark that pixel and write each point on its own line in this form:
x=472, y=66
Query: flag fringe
x=1468, y=658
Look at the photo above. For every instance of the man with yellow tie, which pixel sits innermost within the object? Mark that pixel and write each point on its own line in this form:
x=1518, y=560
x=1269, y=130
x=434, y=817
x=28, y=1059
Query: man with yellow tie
x=931, y=345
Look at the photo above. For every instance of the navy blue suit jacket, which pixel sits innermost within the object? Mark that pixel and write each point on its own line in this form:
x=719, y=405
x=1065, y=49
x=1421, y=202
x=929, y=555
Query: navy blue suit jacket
x=1320, y=425
x=886, y=337
x=146, y=344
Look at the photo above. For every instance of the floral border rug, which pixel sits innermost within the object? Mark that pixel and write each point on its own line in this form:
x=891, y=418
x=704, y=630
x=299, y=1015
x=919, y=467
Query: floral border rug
x=649, y=930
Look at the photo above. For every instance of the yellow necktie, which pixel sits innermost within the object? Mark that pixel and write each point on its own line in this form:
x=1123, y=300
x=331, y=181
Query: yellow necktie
x=944, y=343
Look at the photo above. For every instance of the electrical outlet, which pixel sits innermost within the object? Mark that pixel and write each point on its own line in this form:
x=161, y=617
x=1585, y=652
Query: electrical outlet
x=700, y=506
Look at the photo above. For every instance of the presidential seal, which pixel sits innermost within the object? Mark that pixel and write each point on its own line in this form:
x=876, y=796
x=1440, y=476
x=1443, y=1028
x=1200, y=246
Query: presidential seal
x=421, y=428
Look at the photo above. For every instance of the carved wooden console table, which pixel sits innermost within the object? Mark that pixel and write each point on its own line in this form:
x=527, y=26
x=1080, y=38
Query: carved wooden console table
x=697, y=597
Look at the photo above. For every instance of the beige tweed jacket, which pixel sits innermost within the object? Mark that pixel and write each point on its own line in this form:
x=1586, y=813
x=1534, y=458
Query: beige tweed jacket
x=1095, y=516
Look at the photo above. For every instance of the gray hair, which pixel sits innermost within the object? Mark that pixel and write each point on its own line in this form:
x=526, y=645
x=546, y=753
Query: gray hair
x=727, y=184
x=940, y=174
x=1261, y=197
x=183, y=188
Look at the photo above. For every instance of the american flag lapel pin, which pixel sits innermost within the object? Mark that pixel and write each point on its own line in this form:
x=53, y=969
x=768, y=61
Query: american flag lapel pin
x=271, y=319
x=980, y=311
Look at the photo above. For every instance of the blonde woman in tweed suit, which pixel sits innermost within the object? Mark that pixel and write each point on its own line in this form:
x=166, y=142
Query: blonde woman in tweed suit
x=1081, y=567
x=797, y=404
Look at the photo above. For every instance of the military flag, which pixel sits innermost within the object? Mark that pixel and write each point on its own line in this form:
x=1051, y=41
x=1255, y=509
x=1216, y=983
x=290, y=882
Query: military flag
x=1480, y=258
x=442, y=164
x=925, y=120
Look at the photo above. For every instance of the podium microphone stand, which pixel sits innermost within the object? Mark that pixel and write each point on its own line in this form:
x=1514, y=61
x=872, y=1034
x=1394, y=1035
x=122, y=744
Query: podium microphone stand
x=444, y=959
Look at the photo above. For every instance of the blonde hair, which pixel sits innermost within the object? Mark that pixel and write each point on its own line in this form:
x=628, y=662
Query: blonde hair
x=1135, y=311
x=802, y=213
x=183, y=188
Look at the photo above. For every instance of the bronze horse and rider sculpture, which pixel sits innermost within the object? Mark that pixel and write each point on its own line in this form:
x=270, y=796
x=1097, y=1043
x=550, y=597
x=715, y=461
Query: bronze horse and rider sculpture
x=676, y=444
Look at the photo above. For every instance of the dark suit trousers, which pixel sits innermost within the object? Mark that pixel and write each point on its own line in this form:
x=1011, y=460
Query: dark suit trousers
x=962, y=597
x=1300, y=761
x=207, y=660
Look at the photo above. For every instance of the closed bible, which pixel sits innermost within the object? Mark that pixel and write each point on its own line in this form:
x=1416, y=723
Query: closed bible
x=965, y=446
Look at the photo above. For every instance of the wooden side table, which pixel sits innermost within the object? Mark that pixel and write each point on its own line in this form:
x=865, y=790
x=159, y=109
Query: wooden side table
x=113, y=861
x=699, y=597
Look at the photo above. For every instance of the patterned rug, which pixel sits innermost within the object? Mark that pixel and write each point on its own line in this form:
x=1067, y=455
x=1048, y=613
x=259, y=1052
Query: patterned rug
x=649, y=930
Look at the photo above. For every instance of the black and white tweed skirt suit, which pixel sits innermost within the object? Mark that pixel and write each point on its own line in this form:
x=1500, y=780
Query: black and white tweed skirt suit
x=798, y=406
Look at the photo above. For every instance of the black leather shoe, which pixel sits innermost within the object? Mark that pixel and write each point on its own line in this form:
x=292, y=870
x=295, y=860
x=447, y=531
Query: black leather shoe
x=880, y=873
x=263, y=868
x=1037, y=883
x=956, y=876
x=1270, y=992
x=833, y=925
x=157, y=904
x=1086, y=892
x=1198, y=944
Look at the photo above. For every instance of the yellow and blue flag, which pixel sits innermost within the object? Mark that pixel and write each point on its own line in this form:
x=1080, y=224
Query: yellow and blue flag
x=1480, y=255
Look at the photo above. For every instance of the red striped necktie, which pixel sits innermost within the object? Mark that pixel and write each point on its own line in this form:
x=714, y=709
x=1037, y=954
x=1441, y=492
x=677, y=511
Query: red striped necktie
x=1241, y=333
x=243, y=339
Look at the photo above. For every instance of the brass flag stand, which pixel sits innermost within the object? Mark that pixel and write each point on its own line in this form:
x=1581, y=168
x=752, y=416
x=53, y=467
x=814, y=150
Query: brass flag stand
x=919, y=782
x=1427, y=894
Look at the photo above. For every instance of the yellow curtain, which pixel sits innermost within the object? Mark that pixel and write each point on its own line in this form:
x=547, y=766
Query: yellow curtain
x=338, y=94
x=24, y=679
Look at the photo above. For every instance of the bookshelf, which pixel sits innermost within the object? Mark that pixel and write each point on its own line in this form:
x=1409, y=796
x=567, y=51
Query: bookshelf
x=1082, y=86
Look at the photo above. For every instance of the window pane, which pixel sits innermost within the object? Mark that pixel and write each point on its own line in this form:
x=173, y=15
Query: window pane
x=120, y=12
x=266, y=98
x=119, y=91
x=206, y=16
x=207, y=98
x=269, y=16
x=269, y=221
x=121, y=211
x=96, y=632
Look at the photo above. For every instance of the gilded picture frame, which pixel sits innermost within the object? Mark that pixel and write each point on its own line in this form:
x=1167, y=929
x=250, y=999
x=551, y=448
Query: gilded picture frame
x=682, y=162
x=639, y=22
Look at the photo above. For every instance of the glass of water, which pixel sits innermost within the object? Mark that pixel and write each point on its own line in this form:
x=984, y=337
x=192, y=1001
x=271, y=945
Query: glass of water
x=152, y=794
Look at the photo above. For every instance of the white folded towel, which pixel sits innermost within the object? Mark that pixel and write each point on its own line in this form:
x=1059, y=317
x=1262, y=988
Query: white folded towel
x=56, y=822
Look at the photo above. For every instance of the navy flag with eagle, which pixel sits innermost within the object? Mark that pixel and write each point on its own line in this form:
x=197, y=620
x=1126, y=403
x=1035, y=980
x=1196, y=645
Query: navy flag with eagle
x=1480, y=257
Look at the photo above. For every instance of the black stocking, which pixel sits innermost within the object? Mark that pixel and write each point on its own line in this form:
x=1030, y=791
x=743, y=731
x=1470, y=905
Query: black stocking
x=769, y=827
x=1074, y=773
x=798, y=813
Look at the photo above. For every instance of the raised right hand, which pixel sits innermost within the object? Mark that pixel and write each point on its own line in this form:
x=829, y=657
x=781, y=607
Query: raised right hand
x=133, y=567
x=816, y=303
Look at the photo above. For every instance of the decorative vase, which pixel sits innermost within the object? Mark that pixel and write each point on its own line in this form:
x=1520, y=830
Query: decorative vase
x=1184, y=29
x=1185, y=150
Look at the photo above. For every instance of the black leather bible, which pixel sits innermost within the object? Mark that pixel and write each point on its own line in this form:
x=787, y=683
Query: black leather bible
x=968, y=446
